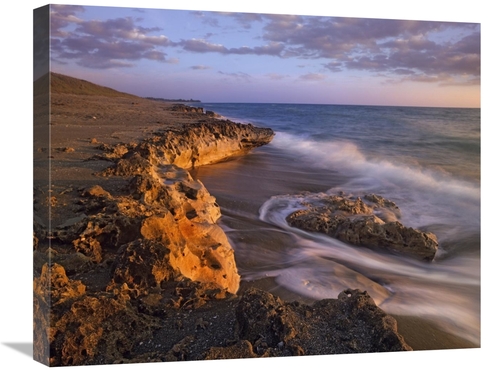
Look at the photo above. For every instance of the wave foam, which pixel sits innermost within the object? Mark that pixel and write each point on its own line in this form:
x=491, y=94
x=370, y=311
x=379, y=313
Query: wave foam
x=412, y=187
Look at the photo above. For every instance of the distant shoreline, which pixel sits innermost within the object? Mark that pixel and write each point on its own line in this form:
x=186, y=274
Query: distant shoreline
x=175, y=100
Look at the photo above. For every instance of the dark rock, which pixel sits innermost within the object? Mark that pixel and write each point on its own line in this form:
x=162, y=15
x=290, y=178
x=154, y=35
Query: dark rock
x=212, y=114
x=242, y=349
x=54, y=287
x=96, y=191
x=143, y=265
x=369, y=222
x=185, y=109
x=39, y=231
x=98, y=330
x=132, y=164
x=350, y=324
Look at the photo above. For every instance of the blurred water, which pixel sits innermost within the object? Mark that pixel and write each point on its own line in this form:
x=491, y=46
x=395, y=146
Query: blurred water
x=427, y=160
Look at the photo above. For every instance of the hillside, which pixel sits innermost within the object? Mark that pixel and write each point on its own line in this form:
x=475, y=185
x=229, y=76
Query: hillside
x=69, y=85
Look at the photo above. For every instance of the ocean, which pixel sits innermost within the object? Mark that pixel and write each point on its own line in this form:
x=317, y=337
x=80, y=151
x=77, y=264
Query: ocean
x=426, y=160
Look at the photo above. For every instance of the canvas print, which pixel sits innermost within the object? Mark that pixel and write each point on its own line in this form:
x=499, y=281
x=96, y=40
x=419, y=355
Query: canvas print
x=216, y=185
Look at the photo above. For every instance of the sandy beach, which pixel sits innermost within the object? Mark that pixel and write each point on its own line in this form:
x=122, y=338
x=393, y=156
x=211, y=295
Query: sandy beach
x=89, y=134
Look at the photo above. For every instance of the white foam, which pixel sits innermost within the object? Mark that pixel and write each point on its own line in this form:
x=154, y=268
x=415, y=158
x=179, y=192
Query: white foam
x=428, y=196
x=321, y=267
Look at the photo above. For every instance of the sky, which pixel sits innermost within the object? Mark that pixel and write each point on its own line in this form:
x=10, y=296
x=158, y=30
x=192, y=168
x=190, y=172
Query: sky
x=219, y=56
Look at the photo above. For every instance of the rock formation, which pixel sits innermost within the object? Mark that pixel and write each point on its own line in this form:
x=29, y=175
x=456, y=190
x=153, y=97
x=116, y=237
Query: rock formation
x=142, y=257
x=138, y=270
x=350, y=324
x=370, y=221
x=103, y=328
x=167, y=228
x=157, y=233
x=207, y=141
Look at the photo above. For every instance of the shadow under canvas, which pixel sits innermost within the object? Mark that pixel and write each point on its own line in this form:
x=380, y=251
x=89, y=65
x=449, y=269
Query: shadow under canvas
x=24, y=348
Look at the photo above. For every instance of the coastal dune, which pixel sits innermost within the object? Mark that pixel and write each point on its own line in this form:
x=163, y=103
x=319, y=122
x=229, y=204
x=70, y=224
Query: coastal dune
x=130, y=264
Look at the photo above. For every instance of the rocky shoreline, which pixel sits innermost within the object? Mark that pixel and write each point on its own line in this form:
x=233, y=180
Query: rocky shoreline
x=130, y=264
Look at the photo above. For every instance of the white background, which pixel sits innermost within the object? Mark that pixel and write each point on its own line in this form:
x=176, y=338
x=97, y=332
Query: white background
x=16, y=192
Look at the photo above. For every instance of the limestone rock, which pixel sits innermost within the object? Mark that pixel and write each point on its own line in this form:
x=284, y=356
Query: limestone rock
x=242, y=349
x=189, y=294
x=370, y=222
x=98, y=329
x=143, y=265
x=171, y=207
x=52, y=290
x=96, y=191
x=185, y=109
x=39, y=231
x=350, y=324
x=208, y=141
x=54, y=287
x=206, y=256
x=147, y=265
x=72, y=263
x=212, y=114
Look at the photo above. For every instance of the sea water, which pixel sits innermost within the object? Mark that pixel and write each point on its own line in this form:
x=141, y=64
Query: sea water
x=426, y=160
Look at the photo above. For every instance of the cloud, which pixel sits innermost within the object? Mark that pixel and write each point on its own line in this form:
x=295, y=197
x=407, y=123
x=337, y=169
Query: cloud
x=203, y=46
x=173, y=61
x=399, y=49
x=237, y=76
x=404, y=48
x=200, y=67
x=95, y=53
x=62, y=16
x=121, y=28
x=245, y=20
x=334, y=66
x=313, y=77
x=422, y=57
x=377, y=45
x=103, y=44
x=206, y=18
